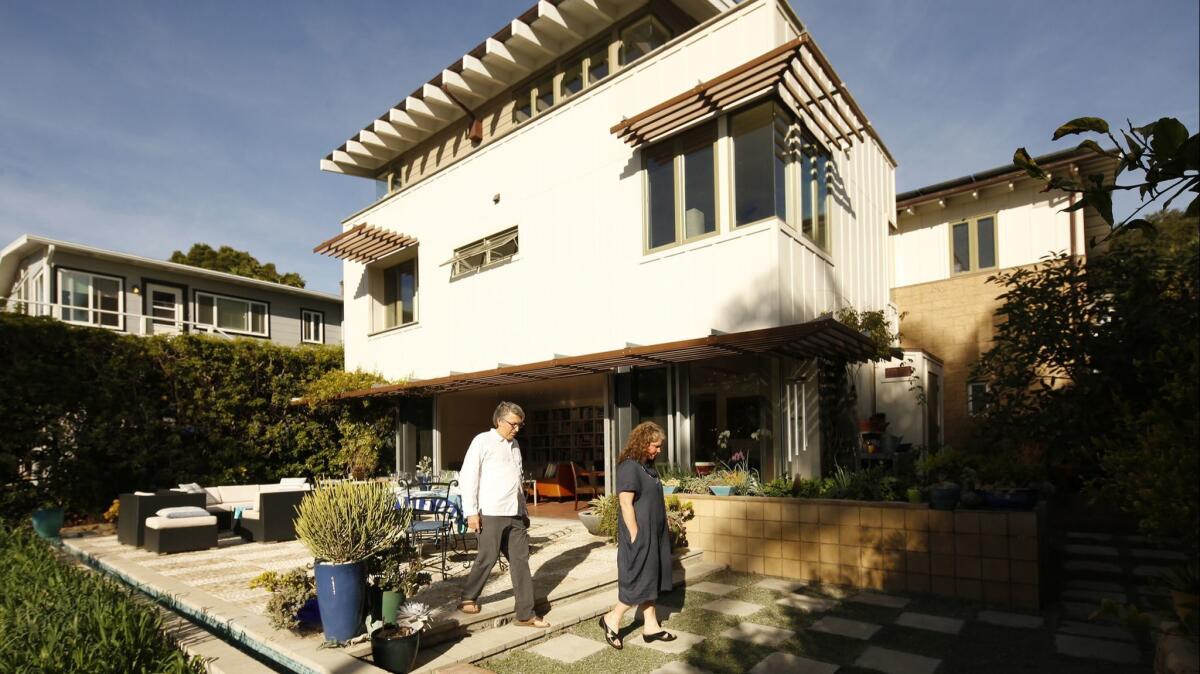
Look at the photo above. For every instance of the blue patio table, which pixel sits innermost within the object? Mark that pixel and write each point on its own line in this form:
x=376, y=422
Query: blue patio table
x=430, y=501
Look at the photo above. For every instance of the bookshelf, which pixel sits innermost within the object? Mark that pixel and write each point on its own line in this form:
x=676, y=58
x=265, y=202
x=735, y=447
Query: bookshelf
x=566, y=434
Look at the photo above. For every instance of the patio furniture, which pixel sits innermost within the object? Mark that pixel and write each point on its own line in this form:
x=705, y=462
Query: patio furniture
x=274, y=517
x=436, y=518
x=222, y=501
x=585, y=485
x=137, y=507
x=180, y=534
x=557, y=481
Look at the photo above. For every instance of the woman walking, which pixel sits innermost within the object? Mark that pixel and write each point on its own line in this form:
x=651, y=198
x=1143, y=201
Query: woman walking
x=643, y=543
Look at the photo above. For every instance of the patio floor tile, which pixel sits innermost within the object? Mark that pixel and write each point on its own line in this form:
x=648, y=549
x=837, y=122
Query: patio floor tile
x=707, y=587
x=877, y=599
x=567, y=648
x=933, y=623
x=806, y=602
x=786, y=663
x=683, y=641
x=1083, y=629
x=732, y=607
x=896, y=662
x=1006, y=619
x=843, y=627
x=1096, y=649
x=761, y=635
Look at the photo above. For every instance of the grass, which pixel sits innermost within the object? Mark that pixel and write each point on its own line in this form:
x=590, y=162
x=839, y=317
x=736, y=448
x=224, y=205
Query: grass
x=981, y=648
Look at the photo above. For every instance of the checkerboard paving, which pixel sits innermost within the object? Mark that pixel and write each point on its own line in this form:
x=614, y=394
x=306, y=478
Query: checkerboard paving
x=683, y=642
x=843, y=627
x=567, y=648
x=786, y=663
x=732, y=607
x=762, y=635
x=719, y=589
x=896, y=662
x=933, y=623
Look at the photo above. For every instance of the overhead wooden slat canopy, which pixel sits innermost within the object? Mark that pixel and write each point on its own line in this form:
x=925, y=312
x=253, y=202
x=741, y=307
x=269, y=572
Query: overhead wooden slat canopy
x=797, y=72
x=824, y=337
x=365, y=243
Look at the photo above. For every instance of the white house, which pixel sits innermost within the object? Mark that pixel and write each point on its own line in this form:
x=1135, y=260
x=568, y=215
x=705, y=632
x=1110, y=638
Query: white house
x=613, y=211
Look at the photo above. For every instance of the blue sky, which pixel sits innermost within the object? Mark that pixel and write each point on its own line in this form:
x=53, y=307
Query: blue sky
x=146, y=126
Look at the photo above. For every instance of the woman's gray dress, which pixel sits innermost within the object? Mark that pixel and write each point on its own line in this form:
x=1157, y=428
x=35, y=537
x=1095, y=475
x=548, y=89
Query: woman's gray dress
x=644, y=565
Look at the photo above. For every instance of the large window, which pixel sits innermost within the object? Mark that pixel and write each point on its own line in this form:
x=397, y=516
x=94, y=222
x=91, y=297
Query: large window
x=973, y=244
x=681, y=201
x=641, y=38
x=400, y=294
x=484, y=253
x=312, y=326
x=91, y=299
x=231, y=314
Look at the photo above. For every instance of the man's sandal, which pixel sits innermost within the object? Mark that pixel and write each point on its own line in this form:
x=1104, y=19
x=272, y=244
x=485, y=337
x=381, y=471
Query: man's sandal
x=610, y=635
x=532, y=622
x=468, y=606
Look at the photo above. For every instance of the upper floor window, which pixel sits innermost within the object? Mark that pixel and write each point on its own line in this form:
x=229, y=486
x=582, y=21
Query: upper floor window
x=973, y=244
x=977, y=397
x=641, y=38
x=814, y=193
x=91, y=299
x=681, y=202
x=484, y=253
x=572, y=76
x=312, y=326
x=231, y=314
x=399, y=297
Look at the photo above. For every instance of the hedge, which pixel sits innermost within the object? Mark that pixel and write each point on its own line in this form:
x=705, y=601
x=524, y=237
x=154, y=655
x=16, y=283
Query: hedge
x=58, y=617
x=94, y=413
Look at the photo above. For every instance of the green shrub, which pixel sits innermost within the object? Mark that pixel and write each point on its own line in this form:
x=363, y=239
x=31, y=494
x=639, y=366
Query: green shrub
x=678, y=513
x=607, y=509
x=695, y=484
x=56, y=618
x=289, y=592
x=780, y=486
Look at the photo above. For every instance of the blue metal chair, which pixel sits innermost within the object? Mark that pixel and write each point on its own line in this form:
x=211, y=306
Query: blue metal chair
x=433, y=518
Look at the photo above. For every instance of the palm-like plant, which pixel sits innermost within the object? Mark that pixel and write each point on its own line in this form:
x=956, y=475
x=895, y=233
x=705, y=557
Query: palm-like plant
x=350, y=522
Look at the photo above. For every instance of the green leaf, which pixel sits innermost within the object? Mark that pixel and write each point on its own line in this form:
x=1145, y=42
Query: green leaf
x=1168, y=135
x=1092, y=145
x=1193, y=209
x=1081, y=125
x=1189, y=154
x=1023, y=161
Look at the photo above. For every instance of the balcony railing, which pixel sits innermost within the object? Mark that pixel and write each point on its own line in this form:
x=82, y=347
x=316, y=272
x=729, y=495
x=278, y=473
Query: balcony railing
x=135, y=324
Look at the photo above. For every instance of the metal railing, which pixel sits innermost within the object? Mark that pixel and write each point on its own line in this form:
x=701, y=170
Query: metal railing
x=135, y=324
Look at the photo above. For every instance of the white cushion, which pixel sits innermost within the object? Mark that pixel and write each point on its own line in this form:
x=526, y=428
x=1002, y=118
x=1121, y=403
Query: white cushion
x=182, y=511
x=270, y=488
x=191, y=488
x=236, y=493
x=212, y=496
x=143, y=493
x=293, y=480
x=229, y=507
x=250, y=514
x=180, y=522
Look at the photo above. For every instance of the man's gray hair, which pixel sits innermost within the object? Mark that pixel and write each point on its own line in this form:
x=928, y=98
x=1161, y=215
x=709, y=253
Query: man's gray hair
x=505, y=408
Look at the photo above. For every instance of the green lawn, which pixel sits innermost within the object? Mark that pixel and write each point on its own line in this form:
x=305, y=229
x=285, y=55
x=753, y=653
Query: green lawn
x=980, y=648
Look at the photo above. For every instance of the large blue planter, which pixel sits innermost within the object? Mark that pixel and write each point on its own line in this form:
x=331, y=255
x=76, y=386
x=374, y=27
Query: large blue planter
x=341, y=593
x=47, y=522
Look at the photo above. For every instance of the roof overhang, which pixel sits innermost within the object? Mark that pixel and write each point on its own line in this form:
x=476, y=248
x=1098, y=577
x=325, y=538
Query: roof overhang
x=824, y=337
x=543, y=33
x=797, y=72
x=365, y=244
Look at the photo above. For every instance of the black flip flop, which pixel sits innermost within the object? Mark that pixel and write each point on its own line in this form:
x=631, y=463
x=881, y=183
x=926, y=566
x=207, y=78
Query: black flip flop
x=661, y=635
x=611, y=636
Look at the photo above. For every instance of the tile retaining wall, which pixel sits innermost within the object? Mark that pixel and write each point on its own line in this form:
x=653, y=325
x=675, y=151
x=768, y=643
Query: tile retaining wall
x=988, y=556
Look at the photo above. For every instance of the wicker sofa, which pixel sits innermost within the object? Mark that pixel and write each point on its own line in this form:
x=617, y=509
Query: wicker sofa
x=268, y=510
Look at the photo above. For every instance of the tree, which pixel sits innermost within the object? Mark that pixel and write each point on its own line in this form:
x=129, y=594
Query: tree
x=1163, y=151
x=234, y=261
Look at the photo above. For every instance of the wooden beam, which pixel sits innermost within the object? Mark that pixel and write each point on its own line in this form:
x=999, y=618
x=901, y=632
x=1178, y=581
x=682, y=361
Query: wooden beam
x=372, y=139
x=439, y=102
x=329, y=165
x=479, y=71
x=604, y=10
x=347, y=159
x=462, y=88
x=391, y=132
x=526, y=39
x=498, y=53
x=557, y=22
x=360, y=149
x=404, y=118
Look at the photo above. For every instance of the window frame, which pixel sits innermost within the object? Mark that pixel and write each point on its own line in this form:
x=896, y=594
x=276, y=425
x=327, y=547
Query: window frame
x=620, y=39
x=972, y=224
x=320, y=325
x=91, y=310
x=377, y=289
x=972, y=411
x=487, y=246
x=199, y=320
x=679, y=178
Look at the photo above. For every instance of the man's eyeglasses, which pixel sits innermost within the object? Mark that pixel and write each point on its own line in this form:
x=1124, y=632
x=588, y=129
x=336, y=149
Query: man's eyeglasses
x=515, y=425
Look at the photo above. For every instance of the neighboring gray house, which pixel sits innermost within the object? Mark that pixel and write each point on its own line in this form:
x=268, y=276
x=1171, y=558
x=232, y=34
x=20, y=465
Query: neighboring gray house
x=141, y=296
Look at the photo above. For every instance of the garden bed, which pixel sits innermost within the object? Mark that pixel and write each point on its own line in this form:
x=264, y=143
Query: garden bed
x=988, y=556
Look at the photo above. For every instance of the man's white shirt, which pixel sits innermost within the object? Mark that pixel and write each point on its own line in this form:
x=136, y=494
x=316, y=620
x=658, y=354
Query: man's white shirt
x=490, y=478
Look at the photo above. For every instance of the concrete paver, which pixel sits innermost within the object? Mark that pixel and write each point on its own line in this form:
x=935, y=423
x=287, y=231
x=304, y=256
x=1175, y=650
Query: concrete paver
x=683, y=641
x=806, y=603
x=933, y=623
x=779, y=585
x=896, y=662
x=732, y=607
x=843, y=627
x=1096, y=649
x=679, y=667
x=1006, y=619
x=1090, y=550
x=707, y=587
x=786, y=663
x=567, y=648
x=762, y=635
x=878, y=599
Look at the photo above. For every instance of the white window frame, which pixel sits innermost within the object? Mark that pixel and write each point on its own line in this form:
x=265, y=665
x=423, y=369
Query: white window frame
x=487, y=246
x=93, y=312
x=318, y=318
x=211, y=321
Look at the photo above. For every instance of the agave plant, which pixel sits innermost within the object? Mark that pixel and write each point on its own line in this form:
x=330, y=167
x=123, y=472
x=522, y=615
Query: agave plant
x=413, y=617
x=350, y=522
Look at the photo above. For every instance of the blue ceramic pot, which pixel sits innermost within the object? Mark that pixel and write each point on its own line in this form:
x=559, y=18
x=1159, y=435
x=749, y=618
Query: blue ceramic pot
x=944, y=498
x=341, y=593
x=47, y=522
x=1009, y=499
x=669, y=489
x=721, y=489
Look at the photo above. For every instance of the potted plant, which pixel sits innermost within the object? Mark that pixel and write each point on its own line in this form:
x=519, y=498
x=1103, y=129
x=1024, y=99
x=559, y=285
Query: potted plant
x=600, y=513
x=913, y=494
x=944, y=495
x=669, y=485
x=48, y=520
x=397, y=577
x=424, y=474
x=678, y=513
x=394, y=647
x=343, y=526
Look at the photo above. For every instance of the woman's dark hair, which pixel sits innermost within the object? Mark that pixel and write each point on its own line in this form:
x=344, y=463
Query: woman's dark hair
x=639, y=440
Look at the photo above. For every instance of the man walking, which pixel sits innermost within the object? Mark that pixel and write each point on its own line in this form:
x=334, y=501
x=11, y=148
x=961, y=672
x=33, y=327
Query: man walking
x=494, y=504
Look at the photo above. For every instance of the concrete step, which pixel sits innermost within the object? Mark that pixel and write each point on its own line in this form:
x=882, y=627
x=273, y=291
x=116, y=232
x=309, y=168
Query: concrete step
x=563, y=615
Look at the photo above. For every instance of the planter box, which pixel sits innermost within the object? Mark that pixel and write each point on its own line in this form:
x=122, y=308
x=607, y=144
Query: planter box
x=995, y=557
